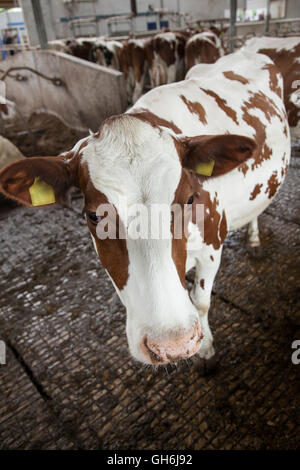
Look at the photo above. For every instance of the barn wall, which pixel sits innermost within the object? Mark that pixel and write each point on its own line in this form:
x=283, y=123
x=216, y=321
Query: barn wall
x=55, y=9
x=90, y=93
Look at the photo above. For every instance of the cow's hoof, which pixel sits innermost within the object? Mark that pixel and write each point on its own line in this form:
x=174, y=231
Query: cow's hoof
x=255, y=251
x=205, y=366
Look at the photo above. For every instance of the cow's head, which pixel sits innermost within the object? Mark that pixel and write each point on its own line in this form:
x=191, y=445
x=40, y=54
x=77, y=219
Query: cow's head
x=130, y=162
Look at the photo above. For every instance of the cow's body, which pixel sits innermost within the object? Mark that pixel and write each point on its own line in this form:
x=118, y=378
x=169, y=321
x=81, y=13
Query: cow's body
x=285, y=52
x=165, y=56
x=133, y=64
x=106, y=53
x=81, y=47
x=237, y=122
x=203, y=48
x=59, y=45
x=233, y=104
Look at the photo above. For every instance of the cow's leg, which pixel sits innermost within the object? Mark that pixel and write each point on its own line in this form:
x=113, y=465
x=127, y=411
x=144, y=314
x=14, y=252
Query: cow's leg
x=206, y=269
x=138, y=91
x=171, y=73
x=253, y=241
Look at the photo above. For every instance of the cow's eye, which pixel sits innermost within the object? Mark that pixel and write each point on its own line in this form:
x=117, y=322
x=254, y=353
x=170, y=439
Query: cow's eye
x=190, y=200
x=94, y=218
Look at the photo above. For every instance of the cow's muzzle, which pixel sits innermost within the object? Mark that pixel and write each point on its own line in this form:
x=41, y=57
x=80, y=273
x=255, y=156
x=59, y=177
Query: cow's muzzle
x=173, y=348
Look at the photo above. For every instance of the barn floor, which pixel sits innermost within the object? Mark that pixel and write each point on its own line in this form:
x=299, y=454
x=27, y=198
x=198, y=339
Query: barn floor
x=69, y=382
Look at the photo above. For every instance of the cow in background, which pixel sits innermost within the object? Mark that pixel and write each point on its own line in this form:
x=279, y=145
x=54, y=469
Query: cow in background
x=165, y=57
x=133, y=63
x=203, y=48
x=285, y=52
x=81, y=47
x=106, y=53
x=59, y=45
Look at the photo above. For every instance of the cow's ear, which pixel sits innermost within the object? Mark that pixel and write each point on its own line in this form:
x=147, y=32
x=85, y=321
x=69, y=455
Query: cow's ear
x=39, y=181
x=215, y=155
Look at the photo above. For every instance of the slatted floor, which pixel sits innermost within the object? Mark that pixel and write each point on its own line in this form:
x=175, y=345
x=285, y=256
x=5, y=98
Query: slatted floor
x=70, y=383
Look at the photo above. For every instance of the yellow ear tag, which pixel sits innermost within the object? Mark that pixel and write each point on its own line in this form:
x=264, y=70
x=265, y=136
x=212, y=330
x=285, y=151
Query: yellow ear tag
x=41, y=193
x=205, y=169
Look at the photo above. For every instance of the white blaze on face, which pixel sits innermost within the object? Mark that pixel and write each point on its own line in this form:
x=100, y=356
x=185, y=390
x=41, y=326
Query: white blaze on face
x=135, y=163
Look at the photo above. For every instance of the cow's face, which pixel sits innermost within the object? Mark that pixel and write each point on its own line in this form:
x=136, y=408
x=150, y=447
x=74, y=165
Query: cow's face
x=127, y=172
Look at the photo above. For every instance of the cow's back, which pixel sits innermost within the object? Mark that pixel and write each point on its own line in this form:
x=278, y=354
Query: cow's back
x=240, y=99
x=285, y=52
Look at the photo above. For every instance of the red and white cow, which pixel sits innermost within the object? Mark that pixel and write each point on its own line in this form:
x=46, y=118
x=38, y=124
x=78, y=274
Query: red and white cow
x=133, y=64
x=234, y=130
x=203, y=48
x=106, y=53
x=165, y=57
x=285, y=52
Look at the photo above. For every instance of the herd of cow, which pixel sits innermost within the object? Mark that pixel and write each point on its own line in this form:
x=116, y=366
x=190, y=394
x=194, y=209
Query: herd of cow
x=168, y=56
x=219, y=140
x=157, y=60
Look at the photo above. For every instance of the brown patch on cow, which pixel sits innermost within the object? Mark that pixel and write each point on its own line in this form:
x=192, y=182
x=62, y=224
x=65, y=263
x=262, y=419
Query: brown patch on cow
x=195, y=108
x=228, y=151
x=201, y=51
x=223, y=228
x=212, y=258
x=214, y=229
x=269, y=108
x=273, y=185
x=263, y=152
x=222, y=103
x=185, y=188
x=289, y=67
x=165, y=48
x=112, y=253
x=16, y=178
x=215, y=226
x=255, y=191
x=154, y=120
x=285, y=130
x=273, y=81
x=202, y=283
x=133, y=56
x=243, y=168
x=235, y=76
x=265, y=104
x=82, y=50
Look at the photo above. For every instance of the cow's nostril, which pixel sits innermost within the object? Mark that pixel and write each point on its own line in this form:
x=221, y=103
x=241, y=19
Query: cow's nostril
x=155, y=358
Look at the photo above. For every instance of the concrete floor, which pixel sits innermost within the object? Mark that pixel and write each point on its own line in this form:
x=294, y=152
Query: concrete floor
x=69, y=381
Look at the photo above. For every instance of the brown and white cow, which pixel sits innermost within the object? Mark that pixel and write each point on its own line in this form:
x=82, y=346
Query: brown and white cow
x=285, y=52
x=203, y=48
x=221, y=145
x=80, y=47
x=106, y=53
x=165, y=57
x=59, y=45
x=133, y=63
